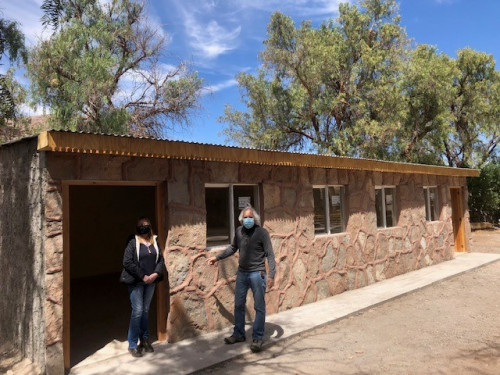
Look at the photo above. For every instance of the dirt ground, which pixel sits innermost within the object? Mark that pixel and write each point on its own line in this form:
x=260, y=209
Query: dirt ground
x=452, y=327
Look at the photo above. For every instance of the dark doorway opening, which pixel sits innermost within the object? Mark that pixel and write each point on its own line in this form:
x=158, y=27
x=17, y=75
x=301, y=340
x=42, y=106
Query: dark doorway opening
x=101, y=220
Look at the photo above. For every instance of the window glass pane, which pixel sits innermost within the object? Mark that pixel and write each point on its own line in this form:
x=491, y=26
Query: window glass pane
x=243, y=195
x=426, y=198
x=378, y=208
x=319, y=210
x=335, y=196
x=433, y=204
x=389, y=207
x=217, y=205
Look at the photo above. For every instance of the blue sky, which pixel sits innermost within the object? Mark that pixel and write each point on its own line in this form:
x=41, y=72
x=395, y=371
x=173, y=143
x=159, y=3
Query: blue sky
x=220, y=38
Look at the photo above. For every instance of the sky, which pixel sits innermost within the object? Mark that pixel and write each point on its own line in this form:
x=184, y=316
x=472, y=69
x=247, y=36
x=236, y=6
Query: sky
x=220, y=38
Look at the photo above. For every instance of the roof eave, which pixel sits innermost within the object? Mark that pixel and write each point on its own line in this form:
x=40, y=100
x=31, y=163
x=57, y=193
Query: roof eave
x=86, y=143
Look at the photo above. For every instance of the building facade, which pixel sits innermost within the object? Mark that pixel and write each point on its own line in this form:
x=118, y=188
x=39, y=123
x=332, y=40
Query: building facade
x=336, y=224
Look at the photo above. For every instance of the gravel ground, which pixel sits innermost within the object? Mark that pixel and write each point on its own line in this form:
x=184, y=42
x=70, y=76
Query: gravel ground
x=452, y=327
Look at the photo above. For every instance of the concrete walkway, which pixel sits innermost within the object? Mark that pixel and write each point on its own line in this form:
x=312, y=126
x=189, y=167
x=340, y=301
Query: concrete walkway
x=207, y=350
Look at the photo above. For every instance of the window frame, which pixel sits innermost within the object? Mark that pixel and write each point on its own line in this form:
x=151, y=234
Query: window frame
x=395, y=211
x=428, y=216
x=326, y=209
x=232, y=218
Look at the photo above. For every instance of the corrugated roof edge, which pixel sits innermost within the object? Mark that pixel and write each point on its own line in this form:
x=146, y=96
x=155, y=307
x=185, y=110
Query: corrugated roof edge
x=198, y=152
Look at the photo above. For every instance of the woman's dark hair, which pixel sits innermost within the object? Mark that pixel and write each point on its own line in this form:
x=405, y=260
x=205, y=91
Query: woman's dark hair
x=143, y=220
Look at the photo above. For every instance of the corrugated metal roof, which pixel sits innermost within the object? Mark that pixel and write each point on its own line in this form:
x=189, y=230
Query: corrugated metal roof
x=125, y=145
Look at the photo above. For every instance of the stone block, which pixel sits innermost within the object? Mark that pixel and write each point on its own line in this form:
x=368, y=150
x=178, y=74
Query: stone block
x=228, y=267
x=54, y=287
x=323, y=290
x=178, y=267
x=145, y=169
x=291, y=298
x=62, y=166
x=223, y=172
x=318, y=176
x=328, y=261
x=299, y=273
x=102, y=167
x=53, y=322
x=54, y=359
x=180, y=323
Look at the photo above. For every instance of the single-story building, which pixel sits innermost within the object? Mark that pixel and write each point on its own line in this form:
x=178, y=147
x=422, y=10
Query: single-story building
x=68, y=201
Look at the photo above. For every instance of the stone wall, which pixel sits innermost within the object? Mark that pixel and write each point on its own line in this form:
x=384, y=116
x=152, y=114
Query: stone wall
x=21, y=249
x=309, y=267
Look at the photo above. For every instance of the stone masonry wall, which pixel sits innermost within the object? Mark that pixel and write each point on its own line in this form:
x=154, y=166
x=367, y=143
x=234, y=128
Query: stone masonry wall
x=309, y=267
x=21, y=249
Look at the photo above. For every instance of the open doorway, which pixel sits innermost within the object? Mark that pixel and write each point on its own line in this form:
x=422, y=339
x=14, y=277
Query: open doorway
x=101, y=220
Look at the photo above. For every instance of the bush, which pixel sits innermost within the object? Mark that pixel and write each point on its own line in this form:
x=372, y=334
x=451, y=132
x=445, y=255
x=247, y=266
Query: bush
x=484, y=194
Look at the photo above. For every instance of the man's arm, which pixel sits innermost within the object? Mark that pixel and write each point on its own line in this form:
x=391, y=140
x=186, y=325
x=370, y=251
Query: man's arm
x=230, y=250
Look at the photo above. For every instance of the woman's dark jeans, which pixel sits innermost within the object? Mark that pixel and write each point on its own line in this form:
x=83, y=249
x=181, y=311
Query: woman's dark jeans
x=140, y=299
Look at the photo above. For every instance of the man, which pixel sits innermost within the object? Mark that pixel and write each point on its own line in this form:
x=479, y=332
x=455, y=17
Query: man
x=254, y=245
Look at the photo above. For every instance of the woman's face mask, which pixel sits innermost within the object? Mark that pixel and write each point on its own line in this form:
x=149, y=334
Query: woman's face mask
x=144, y=229
x=248, y=222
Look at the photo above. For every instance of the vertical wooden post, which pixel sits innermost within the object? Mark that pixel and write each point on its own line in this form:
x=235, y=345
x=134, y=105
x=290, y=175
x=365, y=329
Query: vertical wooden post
x=457, y=217
x=162, y=295
x=66, y=278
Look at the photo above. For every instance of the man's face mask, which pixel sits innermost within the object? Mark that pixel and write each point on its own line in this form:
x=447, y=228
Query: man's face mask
x=248, y=222
x=144, y=229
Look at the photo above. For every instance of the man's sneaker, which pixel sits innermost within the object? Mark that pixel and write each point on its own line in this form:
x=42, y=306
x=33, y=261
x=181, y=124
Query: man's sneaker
x=135, y=352
x=233, y=339
x=146, y=345
x=256, y=346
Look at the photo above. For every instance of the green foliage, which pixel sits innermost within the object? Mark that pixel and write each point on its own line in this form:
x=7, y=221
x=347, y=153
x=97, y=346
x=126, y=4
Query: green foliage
x=475, y=129
x=484, y=194
x=355, y=86
x=99, y=70
x=333, y=89
x=12, y=47
x=427, y=91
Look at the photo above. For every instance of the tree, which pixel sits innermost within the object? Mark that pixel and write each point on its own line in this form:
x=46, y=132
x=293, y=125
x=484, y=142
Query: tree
x=356, y=86
x=334, y=89
x=427, y=87
x=474, y=131
x=100, y=70
x=12, y=47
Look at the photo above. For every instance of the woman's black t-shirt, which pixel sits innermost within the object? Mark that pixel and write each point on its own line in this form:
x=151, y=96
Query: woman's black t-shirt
x=147, y=259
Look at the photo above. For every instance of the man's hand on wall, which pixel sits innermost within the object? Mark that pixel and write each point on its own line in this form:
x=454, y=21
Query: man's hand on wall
x=211, y=260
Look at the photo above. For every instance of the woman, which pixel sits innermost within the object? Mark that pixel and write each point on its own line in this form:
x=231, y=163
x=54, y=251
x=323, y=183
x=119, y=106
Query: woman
x=143, y=267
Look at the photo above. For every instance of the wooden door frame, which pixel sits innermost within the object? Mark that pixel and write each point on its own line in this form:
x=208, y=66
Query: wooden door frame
x=457, y=218
x=162, y=295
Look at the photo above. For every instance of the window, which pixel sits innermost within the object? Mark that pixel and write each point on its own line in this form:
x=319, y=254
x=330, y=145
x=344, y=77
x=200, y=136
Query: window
x=223, y=204
x=328, y=209
x=385, y=205
x=431, y=203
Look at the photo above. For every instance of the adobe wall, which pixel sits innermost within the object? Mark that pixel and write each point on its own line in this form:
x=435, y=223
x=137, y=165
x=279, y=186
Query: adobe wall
x=21, y=249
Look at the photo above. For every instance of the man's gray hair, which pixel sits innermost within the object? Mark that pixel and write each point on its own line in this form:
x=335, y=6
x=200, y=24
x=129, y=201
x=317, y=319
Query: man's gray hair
x=256, y=215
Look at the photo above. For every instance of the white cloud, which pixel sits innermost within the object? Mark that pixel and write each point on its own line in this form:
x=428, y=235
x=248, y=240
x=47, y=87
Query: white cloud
x=302, y=8
x=222, y=85
x=206, y=34
x=216, y=27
